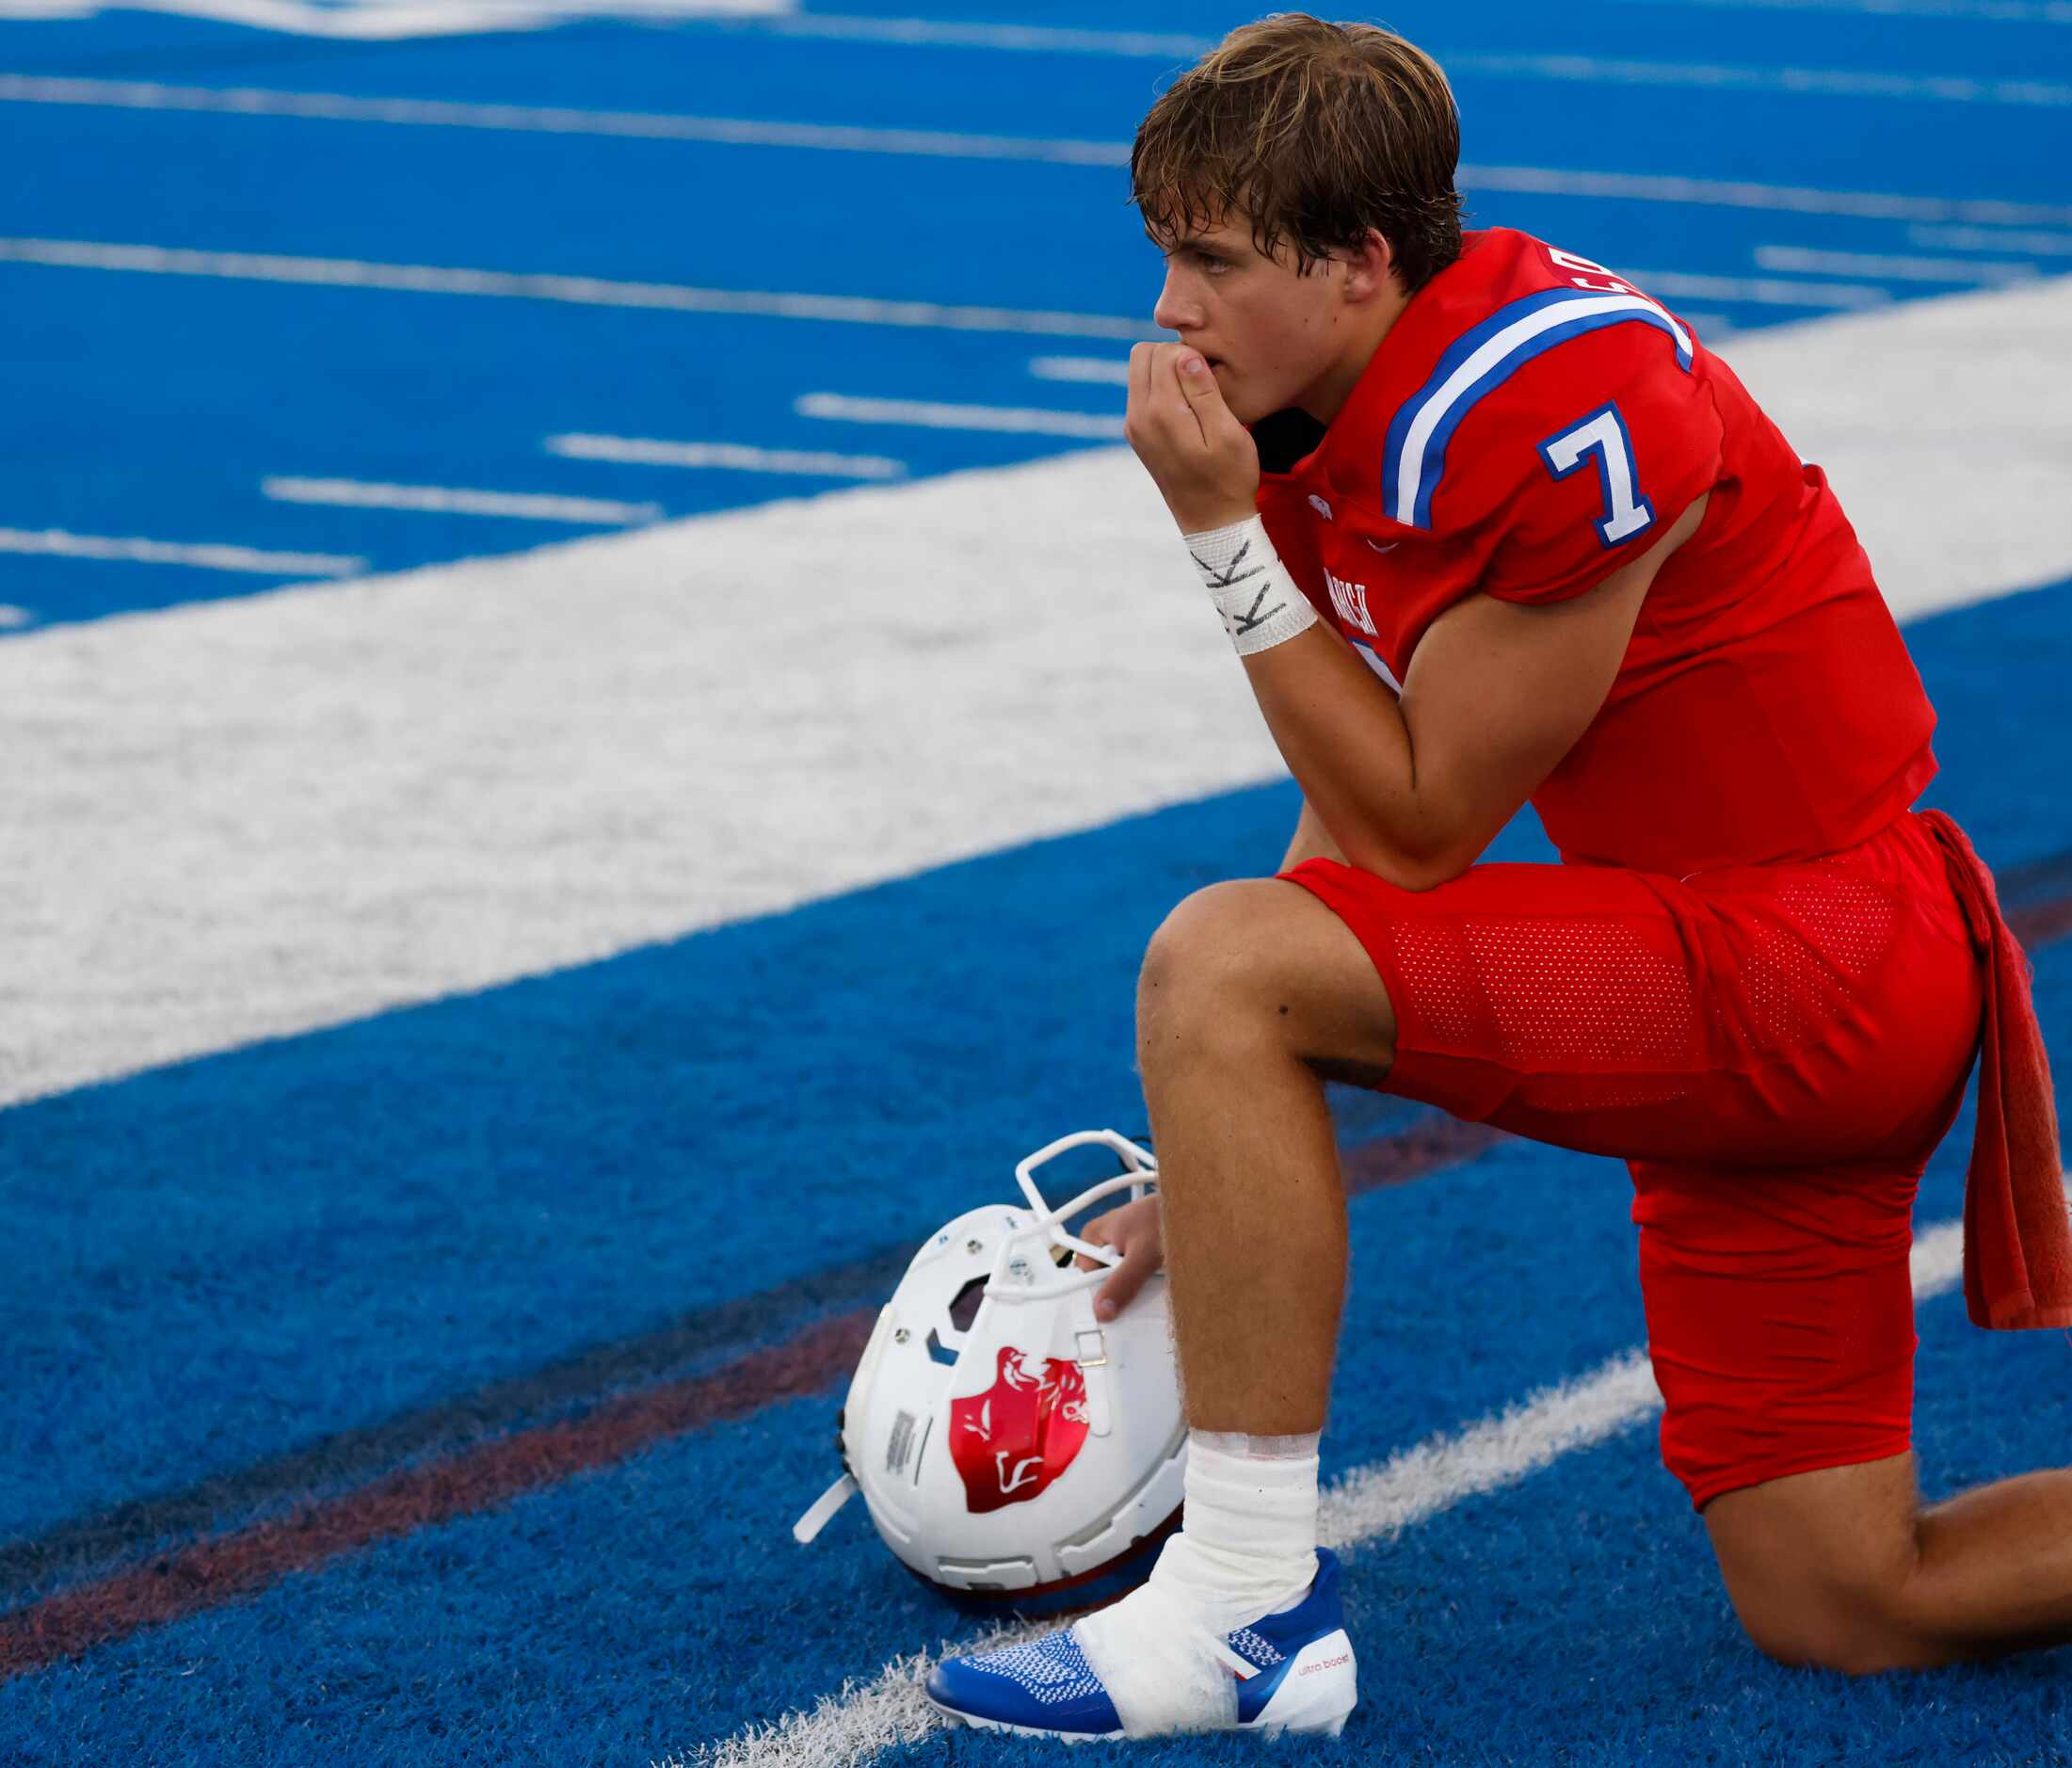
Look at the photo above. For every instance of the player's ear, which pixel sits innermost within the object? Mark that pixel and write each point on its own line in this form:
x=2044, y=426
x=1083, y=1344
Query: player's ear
x=1369, y=269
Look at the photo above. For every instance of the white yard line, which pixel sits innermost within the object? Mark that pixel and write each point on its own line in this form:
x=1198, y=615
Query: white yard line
x=1887, y=267
x=561, y=120
x=1100, y=370
x=447, y=500
x=421, y=784
x=1365, y=1507
x=726, y=456
x=930, y=415
x=1872, y=205
x=585, y=291
x=57, y=544
x=1533, y=180
x=1969, y=11
x=1992, y=239
x=1584, y=69
x=393, y=20
x=1758, y=291
x=1048, y=39
x=1810, y=82
x=551, y=120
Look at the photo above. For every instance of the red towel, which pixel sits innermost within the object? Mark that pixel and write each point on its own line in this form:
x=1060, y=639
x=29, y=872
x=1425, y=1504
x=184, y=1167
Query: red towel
x=2017, y=1243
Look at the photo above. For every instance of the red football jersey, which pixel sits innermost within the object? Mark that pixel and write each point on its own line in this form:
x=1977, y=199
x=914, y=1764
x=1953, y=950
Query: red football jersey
x=1532, y=423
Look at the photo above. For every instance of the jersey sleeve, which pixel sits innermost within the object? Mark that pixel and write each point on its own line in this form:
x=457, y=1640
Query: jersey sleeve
x=1288, y=527
x=1581, y=461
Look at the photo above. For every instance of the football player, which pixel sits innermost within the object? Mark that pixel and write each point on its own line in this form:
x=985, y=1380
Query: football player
x=1486, y=525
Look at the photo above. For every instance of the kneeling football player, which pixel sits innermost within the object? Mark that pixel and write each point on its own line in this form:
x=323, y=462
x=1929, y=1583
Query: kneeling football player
x=1487, y=525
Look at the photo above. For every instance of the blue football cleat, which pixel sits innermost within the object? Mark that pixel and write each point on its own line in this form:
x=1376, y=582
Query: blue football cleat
x=1295, y=1672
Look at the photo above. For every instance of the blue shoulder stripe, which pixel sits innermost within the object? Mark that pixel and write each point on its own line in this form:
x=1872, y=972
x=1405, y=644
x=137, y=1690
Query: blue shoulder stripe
x=1480, y=361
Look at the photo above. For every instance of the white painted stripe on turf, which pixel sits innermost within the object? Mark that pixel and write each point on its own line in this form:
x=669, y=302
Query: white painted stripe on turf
x=1376, y=1503
x=12, y=616
x=57, y=544
x=418, y=279
x=1890, y=268
x=1758, y=291
x=728, y=457
x=1992, y=239
x=1972, y=11
x=1100, y=370
x=948, y=33
x=1366, y=1507
x=553, y=119
x=852, y=1725
x=1951, y=469
x=1585, y=69
x=447, y=500
x=388, y=21
x=351, y=820
x=929, y=414
x=1811, y=82
x=1874, y=206
x=1535, y=180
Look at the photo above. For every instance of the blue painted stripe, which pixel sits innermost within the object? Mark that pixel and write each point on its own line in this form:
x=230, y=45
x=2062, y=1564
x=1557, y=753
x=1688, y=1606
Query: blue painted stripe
x=1431, y=454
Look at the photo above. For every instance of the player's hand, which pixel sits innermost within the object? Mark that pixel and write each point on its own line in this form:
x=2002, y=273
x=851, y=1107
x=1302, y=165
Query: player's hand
x=1133, y=1231
x=1199, y=454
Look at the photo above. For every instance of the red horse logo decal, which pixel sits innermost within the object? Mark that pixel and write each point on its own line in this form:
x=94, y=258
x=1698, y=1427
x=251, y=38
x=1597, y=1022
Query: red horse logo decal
x=1012, y=1441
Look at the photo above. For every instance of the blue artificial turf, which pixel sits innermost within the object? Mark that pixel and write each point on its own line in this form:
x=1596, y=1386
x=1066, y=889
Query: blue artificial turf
x=154, y=405
x=211, y=1267
x=257, y=1308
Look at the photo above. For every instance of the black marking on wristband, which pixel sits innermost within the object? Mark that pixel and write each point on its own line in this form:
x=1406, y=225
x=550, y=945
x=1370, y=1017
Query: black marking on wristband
x=1252, y=618
x=1223, y=576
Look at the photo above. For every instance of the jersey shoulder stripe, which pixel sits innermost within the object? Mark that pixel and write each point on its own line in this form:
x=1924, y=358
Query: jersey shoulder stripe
x=1481, y=361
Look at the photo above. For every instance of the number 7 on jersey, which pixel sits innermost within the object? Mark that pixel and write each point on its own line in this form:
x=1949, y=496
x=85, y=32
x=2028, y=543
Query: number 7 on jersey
x=1603, y=434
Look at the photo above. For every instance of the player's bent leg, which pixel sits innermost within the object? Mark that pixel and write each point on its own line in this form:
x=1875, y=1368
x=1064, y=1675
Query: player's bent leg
x=1251, y=993
x=1267, y=954
x=1842, y=1568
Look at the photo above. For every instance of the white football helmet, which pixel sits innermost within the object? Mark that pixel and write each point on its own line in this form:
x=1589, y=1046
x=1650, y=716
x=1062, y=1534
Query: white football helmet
x=1011, y=1448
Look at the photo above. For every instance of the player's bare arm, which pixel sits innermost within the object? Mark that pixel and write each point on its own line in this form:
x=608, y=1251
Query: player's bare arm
x=1311, y=840
x=1413, y=790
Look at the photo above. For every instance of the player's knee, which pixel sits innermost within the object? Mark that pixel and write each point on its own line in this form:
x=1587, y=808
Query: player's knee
x=1852, y=1642
x=1209, y=969
x=1858, y=1623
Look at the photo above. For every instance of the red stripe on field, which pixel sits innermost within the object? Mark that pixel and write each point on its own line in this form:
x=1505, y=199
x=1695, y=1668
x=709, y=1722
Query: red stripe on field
x=1425, y=1146
x=215, y=1571
x=2039, y=924
x=224, y=1567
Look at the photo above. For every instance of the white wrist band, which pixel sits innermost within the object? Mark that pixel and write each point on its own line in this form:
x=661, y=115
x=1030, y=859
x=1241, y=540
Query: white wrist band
x=1251, y=588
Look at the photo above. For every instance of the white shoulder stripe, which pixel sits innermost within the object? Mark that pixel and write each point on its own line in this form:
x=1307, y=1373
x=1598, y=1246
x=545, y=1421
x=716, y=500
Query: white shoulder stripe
x=1491, y=363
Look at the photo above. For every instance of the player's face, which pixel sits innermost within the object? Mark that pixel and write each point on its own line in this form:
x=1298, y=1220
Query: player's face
x=1274, y=337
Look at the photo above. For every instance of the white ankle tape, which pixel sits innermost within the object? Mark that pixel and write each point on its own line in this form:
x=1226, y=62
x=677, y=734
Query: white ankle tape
x=1252, y=1448
x=1253, y=592
x=1247, y=1550
x=1250, y=1537
x=1163, y=1669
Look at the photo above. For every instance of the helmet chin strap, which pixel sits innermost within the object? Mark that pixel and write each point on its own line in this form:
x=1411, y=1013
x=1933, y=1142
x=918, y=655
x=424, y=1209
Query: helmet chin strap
x=823, y=1509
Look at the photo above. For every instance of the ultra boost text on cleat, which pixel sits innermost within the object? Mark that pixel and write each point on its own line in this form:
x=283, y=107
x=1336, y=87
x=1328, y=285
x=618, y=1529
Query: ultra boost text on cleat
x=1295, y=1672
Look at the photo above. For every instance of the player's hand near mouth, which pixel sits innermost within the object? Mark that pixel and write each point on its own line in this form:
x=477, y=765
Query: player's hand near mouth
x=1201, y=459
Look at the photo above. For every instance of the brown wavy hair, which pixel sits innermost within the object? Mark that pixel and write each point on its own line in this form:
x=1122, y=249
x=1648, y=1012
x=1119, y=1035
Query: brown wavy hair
x=1315, y=132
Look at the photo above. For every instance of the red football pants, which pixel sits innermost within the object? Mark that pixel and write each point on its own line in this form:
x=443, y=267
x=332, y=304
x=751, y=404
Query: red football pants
x=1775, y=1052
